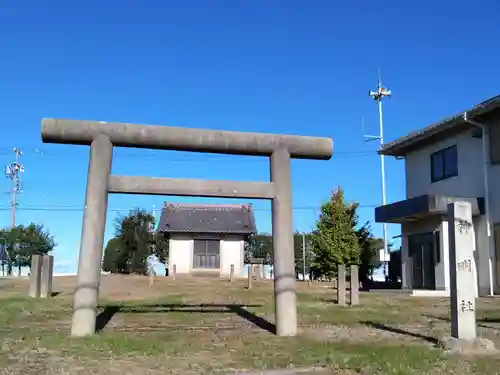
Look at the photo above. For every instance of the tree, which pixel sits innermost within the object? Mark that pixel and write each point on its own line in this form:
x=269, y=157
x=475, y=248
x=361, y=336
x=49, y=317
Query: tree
x=369, y=252
x=134, y=240
x=114, y=259
x=259, y=245
x=334, y=241
x=301, y=240
x=395, y=271
x=21, y=242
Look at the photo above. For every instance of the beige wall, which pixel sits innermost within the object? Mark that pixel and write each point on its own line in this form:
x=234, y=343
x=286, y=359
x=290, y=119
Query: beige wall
x=181, y=254
x=468, y=183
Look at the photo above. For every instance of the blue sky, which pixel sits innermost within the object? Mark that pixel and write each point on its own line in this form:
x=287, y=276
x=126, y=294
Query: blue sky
x=266, y=66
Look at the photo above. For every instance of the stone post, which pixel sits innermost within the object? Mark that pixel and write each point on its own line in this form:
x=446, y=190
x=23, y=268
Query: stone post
x=92, y=242
x=35, y=276
x=461, y=245
x=47, y=273
x=174, y=272
x=341, y=285
x=354, y=285
x=231, y=273
x=250, y=276
x=283, y=250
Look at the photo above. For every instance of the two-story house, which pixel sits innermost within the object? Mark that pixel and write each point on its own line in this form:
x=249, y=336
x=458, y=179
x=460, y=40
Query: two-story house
x=457, y=158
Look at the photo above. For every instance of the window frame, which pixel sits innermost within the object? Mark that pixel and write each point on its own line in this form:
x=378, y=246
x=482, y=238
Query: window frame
x=445, y=173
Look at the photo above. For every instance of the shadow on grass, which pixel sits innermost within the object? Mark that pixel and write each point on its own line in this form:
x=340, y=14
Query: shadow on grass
x=55, y=294
x=381, y=286
x=335, y=301
x=442, y=318
x=478, y=321
x=489, y=320
x=110, y=310
x=399, y=331
x=330, y=300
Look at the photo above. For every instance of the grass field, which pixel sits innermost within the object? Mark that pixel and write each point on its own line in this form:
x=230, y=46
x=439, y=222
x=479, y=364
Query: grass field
x=200, y=326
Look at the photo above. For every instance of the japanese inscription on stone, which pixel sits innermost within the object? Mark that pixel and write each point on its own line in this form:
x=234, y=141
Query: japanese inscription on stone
x=466, y=306
x=465, y=265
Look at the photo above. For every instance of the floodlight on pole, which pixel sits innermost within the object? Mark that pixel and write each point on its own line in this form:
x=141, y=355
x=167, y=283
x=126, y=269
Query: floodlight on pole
x=379, y=95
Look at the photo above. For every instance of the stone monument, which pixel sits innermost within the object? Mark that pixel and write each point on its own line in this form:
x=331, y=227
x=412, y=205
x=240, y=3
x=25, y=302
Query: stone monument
x=461, y=243
x=462, y=292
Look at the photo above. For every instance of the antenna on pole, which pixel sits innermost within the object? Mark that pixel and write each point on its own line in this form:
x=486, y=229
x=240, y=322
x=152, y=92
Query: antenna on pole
x=367, y=138
x=378, y=96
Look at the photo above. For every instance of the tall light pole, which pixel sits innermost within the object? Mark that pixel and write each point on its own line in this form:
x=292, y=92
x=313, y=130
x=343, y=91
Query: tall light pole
x=378, y=96
x=12, y=172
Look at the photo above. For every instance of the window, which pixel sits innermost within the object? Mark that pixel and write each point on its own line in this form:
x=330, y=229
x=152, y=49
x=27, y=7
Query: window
x=444, y=164
x=437, y=247
x=206, y=254
x=495, y=144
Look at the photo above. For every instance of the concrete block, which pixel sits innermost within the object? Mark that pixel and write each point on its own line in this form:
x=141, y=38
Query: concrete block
x=478, y=346
x=354, y=285
x=35, y=276
x=47, y=274
x=341, y=287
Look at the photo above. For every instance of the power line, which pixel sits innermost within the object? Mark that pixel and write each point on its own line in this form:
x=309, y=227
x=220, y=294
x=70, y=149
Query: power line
x=15, y=169
x=78, y=209
x=13, y=172
x=204, y=158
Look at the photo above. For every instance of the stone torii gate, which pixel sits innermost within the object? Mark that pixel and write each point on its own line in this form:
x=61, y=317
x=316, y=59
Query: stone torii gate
x=102, y=136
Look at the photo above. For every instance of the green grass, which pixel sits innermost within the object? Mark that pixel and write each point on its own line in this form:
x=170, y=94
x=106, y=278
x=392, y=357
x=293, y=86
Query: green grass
x=147, y=337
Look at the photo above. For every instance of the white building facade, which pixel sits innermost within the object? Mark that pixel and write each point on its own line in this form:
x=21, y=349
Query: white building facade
x=204, y=253
x=446, y=162
x=207, y=238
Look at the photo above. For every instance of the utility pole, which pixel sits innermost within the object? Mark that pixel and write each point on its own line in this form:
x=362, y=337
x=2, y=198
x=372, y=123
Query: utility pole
x=13, y=172
x=378, y=96
x=154, y=212
x=151, y=229
x=3, y=248
x=303, y=257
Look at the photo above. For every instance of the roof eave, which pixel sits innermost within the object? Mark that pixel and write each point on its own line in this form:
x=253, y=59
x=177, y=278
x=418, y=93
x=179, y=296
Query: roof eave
x=242, y=233
x=400, y=147
x=422, y=139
